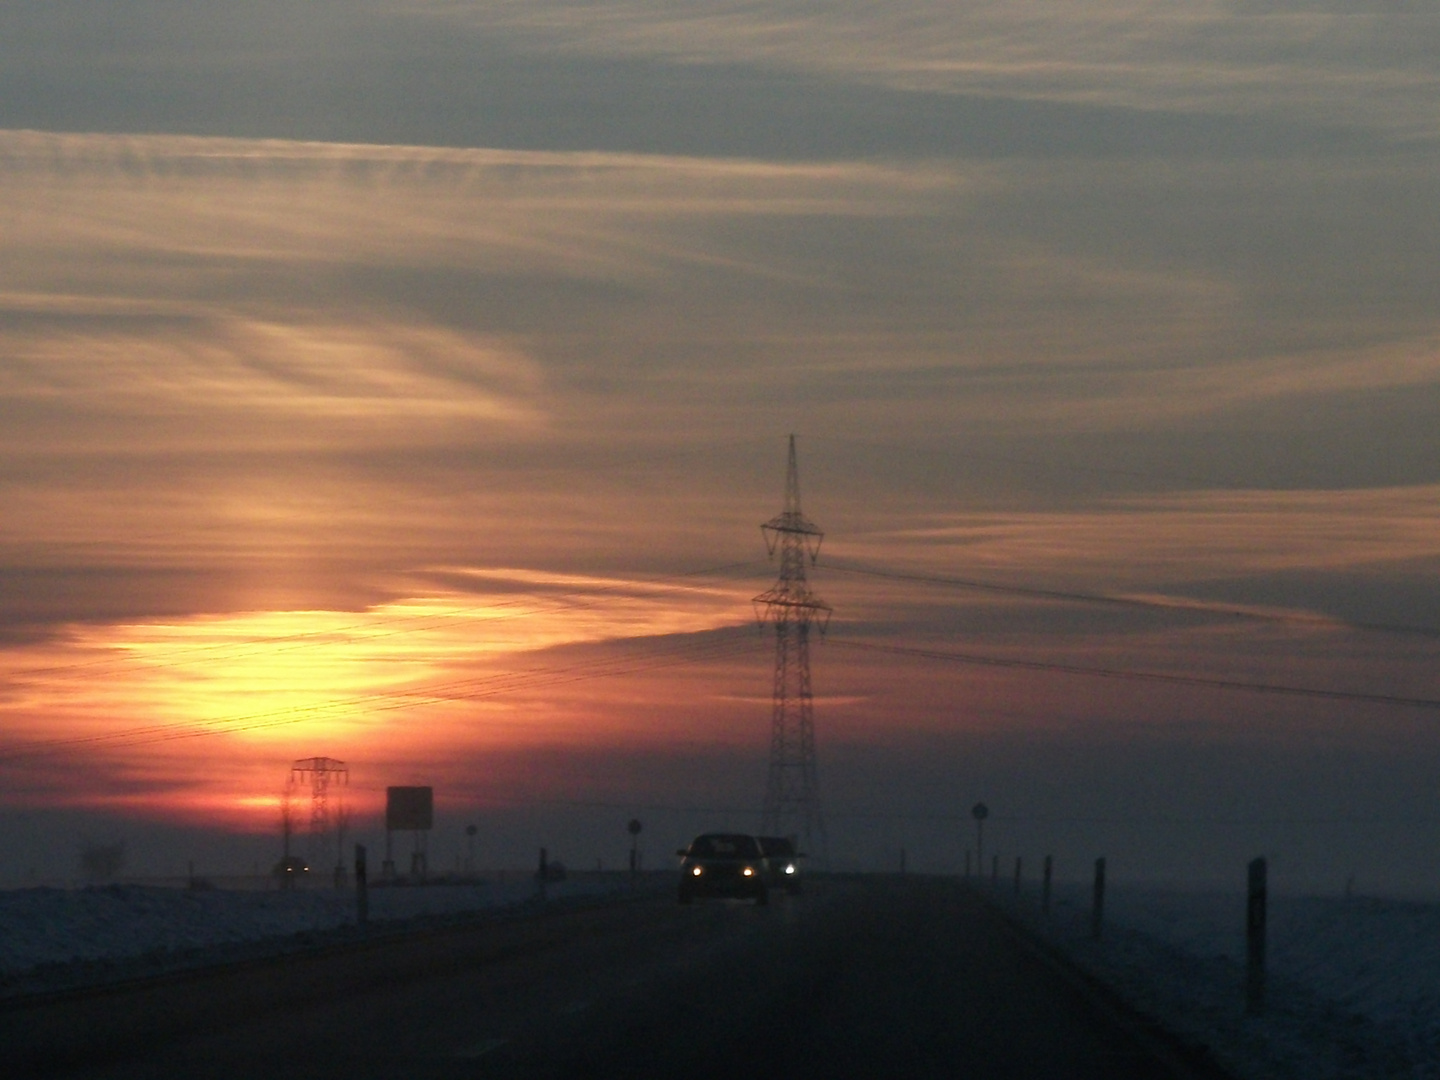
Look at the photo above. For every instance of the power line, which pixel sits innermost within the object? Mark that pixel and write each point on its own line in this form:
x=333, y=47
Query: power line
x=1138, y=676
x=691, y=652
x=667, y=655
x=1167, y=604
x=964, y=817
x=694, y=652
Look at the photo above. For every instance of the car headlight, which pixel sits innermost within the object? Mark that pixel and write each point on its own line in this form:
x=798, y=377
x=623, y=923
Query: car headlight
x=695, y=870
x=748, y=872
x=789, y=868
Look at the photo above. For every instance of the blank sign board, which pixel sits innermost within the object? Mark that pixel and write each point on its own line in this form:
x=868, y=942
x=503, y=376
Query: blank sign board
x=409, y=808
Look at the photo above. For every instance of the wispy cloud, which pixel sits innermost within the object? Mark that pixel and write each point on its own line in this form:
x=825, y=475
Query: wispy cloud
x=1191, y=537
x=415, y=323
x=1323, y=63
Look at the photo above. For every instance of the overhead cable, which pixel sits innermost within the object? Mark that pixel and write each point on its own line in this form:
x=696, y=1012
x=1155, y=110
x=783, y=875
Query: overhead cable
x=1137, y=676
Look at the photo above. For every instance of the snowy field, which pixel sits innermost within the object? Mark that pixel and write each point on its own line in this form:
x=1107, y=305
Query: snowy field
x=54, y=938
x=1353, y=988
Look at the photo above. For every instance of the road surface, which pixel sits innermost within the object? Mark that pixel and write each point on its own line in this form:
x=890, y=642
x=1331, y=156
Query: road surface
x=862, y=977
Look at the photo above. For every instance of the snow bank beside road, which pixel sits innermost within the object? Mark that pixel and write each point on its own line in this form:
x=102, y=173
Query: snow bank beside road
x=58, y=937
x=1354, y=984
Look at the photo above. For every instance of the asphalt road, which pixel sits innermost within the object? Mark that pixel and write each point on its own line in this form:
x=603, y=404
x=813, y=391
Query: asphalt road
x=867, y=977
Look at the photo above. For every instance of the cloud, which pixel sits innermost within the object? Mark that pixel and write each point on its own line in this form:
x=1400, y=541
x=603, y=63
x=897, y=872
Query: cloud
x=289, y=360
x=197, y=373
x=213, y=286
x=260, y=203
x=1178, y=539
x=1322, y=63
x=783, y=81
x=234, y=294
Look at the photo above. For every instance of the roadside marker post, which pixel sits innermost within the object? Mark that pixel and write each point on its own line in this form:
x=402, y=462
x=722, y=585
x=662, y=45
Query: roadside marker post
x=979, y=812
x=1045, y=887
x=362, y=887
x=1255, y=917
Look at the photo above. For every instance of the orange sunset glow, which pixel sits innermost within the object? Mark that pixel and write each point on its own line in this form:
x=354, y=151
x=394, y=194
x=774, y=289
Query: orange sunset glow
x=405, y=679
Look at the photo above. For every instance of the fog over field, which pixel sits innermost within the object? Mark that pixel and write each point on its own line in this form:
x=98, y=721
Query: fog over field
x=404, y=381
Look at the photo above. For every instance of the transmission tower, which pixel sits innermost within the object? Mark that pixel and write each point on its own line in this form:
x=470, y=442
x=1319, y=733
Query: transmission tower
x=327, y=809
x=792, y=793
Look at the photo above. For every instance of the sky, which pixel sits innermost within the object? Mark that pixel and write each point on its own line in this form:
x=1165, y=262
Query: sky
x=404, y=381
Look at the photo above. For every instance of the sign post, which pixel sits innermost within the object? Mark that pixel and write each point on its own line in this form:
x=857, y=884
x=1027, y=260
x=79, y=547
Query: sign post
x=634, y=830
x=409, y=809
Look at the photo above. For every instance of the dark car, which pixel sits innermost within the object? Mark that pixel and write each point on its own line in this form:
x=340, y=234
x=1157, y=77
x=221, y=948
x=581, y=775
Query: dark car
x=724, y=864
x=783, y=862
x=289, y=870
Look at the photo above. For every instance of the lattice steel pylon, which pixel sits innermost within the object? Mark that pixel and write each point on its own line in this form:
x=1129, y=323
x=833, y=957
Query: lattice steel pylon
x=792, y=793
x=328, y=817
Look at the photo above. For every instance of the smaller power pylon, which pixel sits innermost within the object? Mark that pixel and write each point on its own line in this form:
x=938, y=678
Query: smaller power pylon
x=326, y=779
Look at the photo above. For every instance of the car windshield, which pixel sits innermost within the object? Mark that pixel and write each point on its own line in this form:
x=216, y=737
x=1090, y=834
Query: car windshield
x=724, y=847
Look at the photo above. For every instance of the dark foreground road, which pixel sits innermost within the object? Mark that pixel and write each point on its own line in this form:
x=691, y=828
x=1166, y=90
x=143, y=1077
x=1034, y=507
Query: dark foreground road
x=906, y=977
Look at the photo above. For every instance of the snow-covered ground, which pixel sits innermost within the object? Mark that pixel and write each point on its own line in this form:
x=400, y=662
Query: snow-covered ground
x=53, y=938
x=1353, y=987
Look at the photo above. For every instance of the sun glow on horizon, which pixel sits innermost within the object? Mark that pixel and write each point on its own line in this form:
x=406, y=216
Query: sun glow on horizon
x=268, y=684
